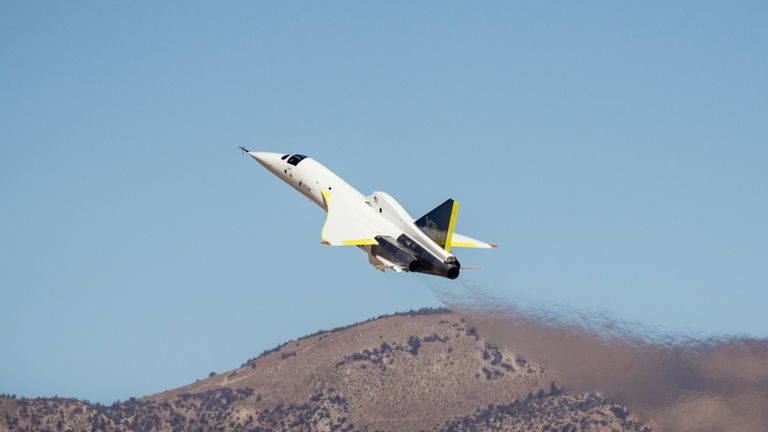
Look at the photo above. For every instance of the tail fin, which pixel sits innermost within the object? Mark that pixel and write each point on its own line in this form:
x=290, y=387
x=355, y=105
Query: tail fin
x=438, y=224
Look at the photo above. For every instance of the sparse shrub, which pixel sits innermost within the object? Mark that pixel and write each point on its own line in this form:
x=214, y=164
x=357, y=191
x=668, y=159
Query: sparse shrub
x=414, y=343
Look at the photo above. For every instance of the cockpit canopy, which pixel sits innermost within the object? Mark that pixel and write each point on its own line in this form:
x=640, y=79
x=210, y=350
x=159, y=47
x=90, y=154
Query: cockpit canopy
x=294, y=159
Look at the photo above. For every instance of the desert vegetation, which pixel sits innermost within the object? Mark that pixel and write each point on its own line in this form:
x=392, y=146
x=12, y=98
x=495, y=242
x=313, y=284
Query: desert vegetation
x=425, y=370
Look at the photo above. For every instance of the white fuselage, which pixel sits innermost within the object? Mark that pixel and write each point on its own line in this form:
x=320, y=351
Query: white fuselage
x=307, y=176
x=312, y=179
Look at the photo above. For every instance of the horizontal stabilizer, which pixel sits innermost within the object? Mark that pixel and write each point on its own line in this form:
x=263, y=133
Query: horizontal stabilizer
x=460, y=240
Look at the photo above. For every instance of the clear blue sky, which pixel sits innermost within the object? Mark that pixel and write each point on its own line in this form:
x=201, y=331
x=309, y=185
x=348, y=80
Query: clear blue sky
x=617, y=151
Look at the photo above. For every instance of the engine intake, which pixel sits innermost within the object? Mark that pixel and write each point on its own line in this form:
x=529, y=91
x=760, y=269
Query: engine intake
x=389, y=249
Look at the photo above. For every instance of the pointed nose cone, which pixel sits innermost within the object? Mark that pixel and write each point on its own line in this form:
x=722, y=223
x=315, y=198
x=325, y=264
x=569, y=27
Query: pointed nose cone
x=269, y=160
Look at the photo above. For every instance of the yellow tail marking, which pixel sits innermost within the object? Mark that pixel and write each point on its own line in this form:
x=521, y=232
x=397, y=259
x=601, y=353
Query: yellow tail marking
x=451, y=224
x=461, y=244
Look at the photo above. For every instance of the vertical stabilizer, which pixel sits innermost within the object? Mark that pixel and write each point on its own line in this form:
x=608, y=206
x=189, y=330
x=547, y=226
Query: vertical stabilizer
x=438, y=224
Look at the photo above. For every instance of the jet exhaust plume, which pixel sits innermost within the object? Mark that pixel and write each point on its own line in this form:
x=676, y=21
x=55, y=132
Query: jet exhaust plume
x=674, y=382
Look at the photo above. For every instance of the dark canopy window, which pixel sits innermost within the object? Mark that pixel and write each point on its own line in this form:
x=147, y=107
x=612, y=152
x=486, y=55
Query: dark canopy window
x=295, y=159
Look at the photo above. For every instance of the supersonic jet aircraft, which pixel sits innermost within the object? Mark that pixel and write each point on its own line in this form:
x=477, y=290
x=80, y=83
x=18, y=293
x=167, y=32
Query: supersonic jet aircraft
x=375, y=223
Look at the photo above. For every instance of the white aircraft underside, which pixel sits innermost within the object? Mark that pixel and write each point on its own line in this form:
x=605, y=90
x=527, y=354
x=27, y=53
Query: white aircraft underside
x=377, y=223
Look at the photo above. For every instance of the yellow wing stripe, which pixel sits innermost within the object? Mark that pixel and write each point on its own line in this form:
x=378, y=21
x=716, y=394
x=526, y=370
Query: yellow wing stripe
x=326, y=195
x=451, y=224
x=360, y=242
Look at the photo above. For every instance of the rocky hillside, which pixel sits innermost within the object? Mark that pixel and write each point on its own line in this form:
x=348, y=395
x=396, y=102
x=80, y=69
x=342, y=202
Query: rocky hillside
x=428, y=370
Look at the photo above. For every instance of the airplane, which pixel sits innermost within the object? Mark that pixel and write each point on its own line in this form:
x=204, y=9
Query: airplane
x=376, y=223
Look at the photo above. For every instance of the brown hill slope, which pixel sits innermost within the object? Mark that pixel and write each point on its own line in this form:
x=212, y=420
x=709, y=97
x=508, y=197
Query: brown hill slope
x=427, y=370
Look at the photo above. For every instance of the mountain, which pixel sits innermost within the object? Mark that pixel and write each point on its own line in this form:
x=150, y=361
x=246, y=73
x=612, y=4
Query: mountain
x=426, y=370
